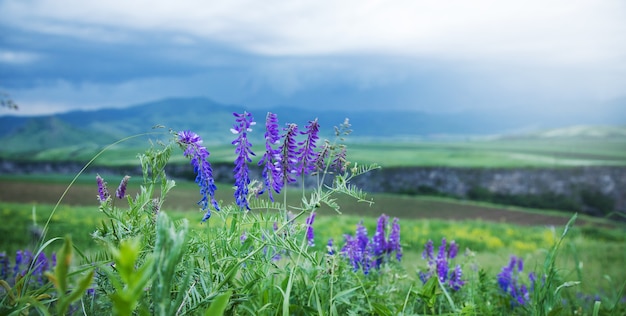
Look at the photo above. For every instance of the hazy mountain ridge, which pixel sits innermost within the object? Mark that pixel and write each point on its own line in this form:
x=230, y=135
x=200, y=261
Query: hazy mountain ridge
x=213, y=120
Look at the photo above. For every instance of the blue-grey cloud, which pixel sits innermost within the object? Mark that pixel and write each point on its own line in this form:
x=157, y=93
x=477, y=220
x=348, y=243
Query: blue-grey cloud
x=532, y=57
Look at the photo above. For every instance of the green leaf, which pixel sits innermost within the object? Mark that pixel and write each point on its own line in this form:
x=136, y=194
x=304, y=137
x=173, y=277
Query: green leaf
x=219, y=304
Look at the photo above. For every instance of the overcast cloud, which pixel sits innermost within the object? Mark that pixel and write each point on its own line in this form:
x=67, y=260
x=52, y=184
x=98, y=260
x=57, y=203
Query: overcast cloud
x=540, y=56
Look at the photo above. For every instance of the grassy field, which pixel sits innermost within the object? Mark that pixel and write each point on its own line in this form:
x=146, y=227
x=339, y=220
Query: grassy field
x=511, y=153
x=489, y=234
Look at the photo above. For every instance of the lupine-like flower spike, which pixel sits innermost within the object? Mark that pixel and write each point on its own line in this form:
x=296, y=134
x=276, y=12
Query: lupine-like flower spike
x=455, y=281
x=243, y=150
x=103, y=192
x=288, y=154
x=120, y=193
x=271, y=159
x=508, y=280
x=307, y=155
x=310, y=236
x=193, y=149
x=393, y=244
x=440, y=265
x=340, y=162
x=379, y=242
x=442, y=262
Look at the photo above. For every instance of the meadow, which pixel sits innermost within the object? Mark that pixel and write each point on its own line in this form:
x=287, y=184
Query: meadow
x=145, y=248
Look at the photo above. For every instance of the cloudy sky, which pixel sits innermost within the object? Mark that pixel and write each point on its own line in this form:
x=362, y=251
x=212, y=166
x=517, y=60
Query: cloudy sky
x=534, y=56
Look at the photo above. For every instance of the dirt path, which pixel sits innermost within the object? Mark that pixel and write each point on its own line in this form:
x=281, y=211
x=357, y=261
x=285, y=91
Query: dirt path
x=392, y=205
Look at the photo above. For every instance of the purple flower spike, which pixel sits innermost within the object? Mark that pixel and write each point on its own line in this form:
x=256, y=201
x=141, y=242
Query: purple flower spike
x=307, y=156
x=394, y=240
x=271, y=159
x=193, y=149
x=428, y=251
x=509, y=282
x=455, y=281
x=453, y=251
x=120, y=193
x=379, y=242
x=309, y=230
x=243, y=150
x=288, y=154
x=4, y=266
x=440, y=266
x=103, y=193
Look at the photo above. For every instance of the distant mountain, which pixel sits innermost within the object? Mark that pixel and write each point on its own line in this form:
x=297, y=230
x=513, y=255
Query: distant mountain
x=213, y=120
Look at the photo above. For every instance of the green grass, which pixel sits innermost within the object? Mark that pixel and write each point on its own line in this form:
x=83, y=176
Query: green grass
x=511, y=153
x=600, y=253
x=484, y=154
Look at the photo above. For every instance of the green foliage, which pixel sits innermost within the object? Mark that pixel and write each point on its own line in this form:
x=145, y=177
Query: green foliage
x=259, y=262
x=61, y=279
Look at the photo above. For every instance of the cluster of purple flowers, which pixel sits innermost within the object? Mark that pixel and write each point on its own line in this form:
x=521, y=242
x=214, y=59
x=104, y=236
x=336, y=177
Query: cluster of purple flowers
x=510, y=283
x=193, y=149
x=366, y=253
x=440, y=265
x=284, y=158
x=243, y=150
x=310, y=235
x=103, y=192
x=24, y=262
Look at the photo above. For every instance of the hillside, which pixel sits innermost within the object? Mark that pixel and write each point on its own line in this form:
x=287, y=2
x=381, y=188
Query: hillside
x=75, y=131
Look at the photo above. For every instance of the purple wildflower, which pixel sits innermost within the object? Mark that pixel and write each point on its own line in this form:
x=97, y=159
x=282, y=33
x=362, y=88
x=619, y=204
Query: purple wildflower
x=322, y=155
x=454, y=250
x=243, y=237
x=121, y=190
x=509, y=282
x=379, y=243
x=309, y=229
x=288, y=154
x=329, y=247
x=243, y=150
x=440, y=266
x=428, y=251
x=455, y=281
x=19, y=258
x=307, y=155
x=41, y=265
x=4, y=266
x=271, y=159
x=393, y=244
x=442, y=262
x=340, y=161
x=103, y=193
x=193, y=149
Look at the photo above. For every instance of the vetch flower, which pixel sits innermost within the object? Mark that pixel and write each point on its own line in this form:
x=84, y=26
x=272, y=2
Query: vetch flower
x=271, y=159
x=393, y=244
x=379, y=243
x=4, y=266
x=288, y=154
x=510, y=283
x=440, y=265
x=455, y=280
x=243, y=150
x=193, y=149
x=309, y=230
x=121, y=189
x=307, y=155
x=103, y=193
x=329, y=247
x=340, y=162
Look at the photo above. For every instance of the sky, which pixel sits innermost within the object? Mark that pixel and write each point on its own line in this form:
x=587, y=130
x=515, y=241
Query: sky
x=534, y=57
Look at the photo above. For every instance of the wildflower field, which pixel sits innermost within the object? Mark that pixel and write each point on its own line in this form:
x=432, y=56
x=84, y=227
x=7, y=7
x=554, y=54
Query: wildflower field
x=277, y=250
